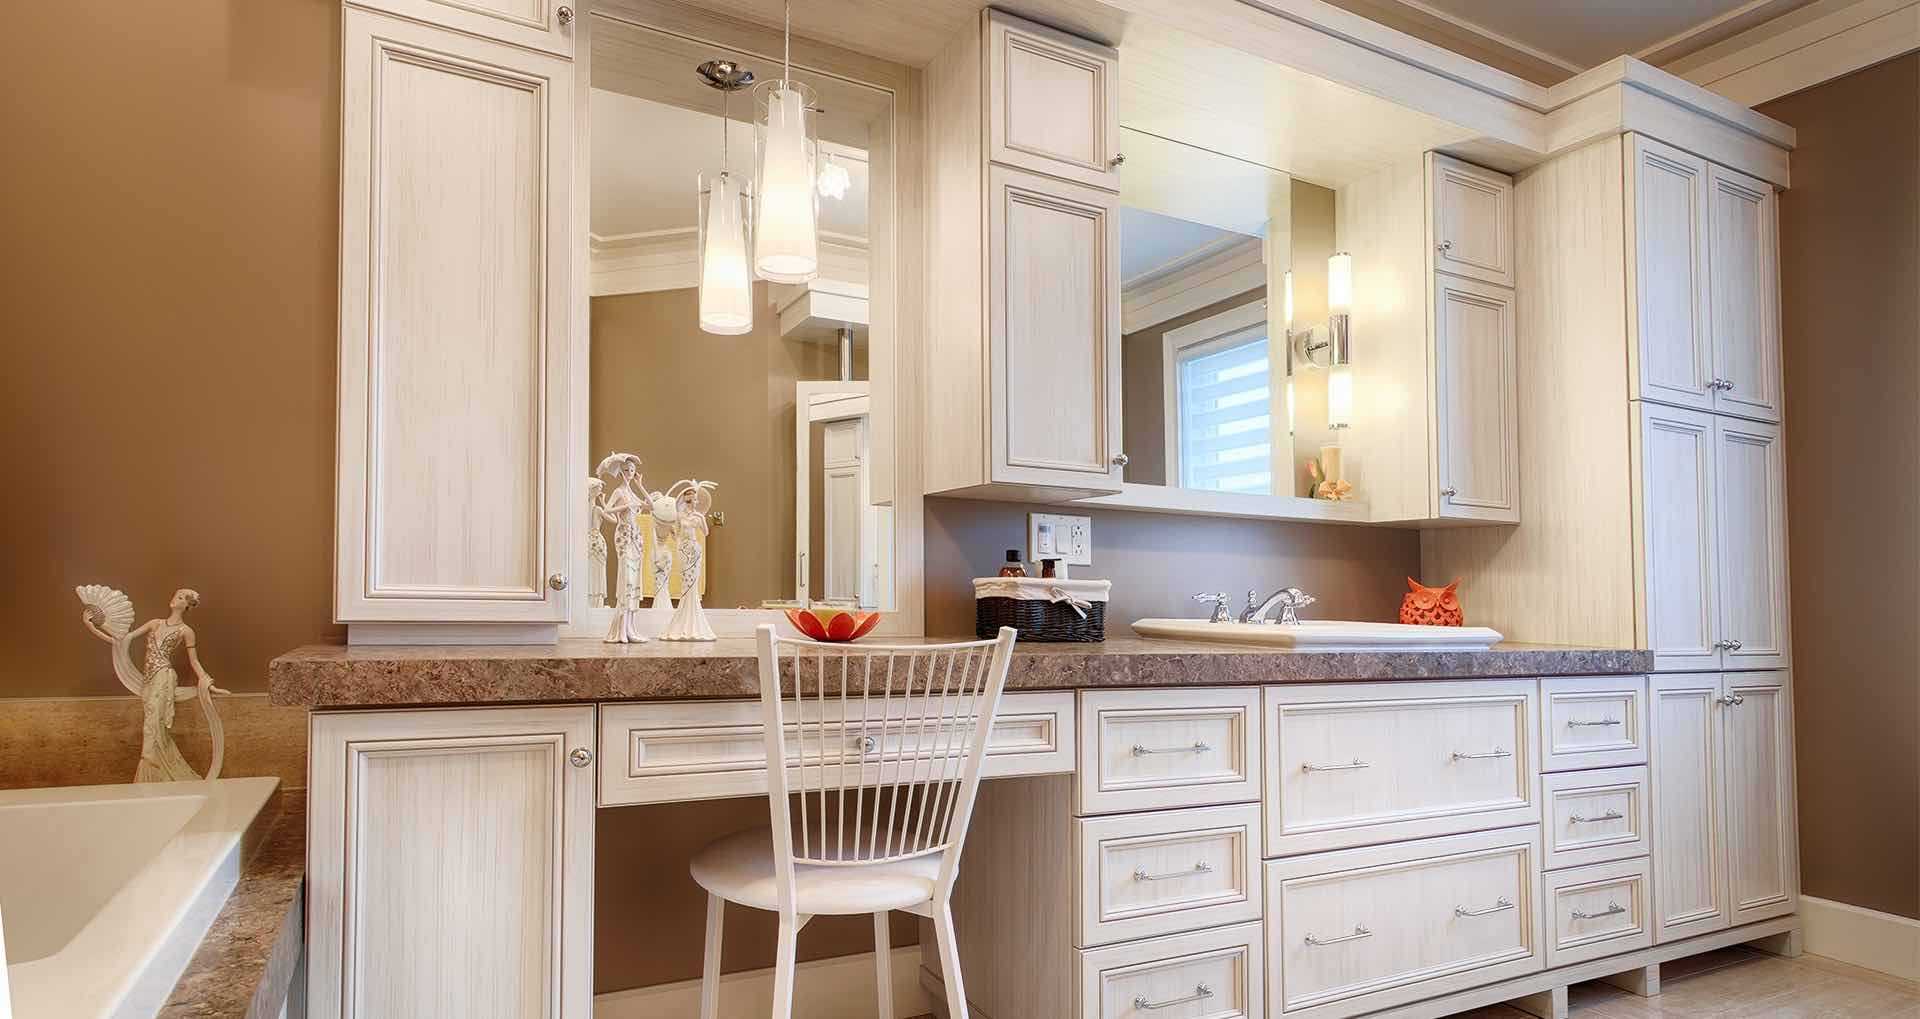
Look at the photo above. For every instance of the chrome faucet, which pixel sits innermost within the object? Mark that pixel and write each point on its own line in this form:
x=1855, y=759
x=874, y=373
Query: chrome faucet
x=1289, y=600
x=1219, y=605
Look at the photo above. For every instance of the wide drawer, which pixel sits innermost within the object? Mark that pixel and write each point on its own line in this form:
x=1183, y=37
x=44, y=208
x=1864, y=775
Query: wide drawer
x=1214, y=974
x=1363, y=929
x=1379, y=762
x=661, y=753
x=1594, y=816
x=1593, y=722
x=1166, y=871
x=1151, y=749
x=1599, y=911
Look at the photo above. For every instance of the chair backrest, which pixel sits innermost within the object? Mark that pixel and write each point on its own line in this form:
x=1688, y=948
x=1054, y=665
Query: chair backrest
x=882, y=748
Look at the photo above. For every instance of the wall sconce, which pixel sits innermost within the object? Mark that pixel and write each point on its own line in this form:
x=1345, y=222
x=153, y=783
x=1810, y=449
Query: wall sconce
x=1335, y=353
x=1287, y=320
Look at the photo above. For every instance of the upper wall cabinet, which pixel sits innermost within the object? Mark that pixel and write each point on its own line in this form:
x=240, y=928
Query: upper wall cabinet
x=1050, y=105
x=453, y=328
x=1475, y=409
x=1743, y=269
x=537, y=24
x=1472, y=221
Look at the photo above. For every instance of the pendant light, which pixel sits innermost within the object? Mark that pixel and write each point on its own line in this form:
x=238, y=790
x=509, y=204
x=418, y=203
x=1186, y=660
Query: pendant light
x=786, y=243
x=726, y=283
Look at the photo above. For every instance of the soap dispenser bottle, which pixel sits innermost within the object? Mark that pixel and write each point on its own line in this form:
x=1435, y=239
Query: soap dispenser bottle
x=1013, y=567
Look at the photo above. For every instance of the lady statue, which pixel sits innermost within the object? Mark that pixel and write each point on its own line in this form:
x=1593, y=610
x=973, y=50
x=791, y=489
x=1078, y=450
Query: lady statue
x=109, y=614
x=596, y=546
x=691, y=500
x=622, y=507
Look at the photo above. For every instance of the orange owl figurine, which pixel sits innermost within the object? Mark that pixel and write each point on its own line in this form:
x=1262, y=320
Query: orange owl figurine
x=1431, y=606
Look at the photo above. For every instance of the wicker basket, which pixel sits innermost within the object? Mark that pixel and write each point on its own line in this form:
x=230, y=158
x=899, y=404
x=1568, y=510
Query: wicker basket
x=1042, y=609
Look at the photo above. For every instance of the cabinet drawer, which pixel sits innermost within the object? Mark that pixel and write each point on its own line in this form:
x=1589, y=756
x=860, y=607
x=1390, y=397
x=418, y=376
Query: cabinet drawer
x=1593, y=816
x=1050, y=102
x=1149, y=749
x=1216, y=974
x=660, y=753
x=1167, y=871
x=1365, y=929
x=1376, y=762
x=1599, y=911
x=1593, y=722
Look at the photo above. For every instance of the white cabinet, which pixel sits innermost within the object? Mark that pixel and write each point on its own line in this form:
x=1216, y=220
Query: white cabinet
x=1050, y=105
x=1669, y=345
x=536, y=24
x=1724, y=846
x=450, y=864
x=1476, y=412
x=453, y=502
x=1471, y=220
x=1743, y=267
x=1751, y=543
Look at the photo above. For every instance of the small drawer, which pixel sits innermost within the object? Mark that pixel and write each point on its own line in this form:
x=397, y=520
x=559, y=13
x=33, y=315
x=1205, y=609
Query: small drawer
x=1380, y=762
x=1593, y=722
x=1152, y=749
x=1599, y=911
x=1215, y=973
x=1594, y=816
x=699, y=750
x=1358, y=930
x=1167, y=871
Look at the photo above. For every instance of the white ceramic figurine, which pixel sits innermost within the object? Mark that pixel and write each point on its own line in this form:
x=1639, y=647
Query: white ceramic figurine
x=691, y=501
x=660, y=506
x=596, y=546
x=108, y=614
x=622, y=507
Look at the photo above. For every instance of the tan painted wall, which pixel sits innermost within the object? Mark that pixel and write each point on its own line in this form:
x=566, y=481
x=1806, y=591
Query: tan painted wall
x=1850, y=260
x=1143, y=389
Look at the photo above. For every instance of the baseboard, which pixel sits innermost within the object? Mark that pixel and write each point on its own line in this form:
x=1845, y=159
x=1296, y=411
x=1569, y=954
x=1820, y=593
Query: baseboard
x=1862, y=937
x=838, y=988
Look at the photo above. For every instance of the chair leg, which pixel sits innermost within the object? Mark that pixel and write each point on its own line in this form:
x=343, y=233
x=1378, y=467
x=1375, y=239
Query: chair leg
x=949, y=961
x=783, y=965
x=883, y=963
x=710, y=965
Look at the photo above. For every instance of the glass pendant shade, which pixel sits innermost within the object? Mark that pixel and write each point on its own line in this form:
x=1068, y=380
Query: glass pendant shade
x=1340, y=396
x=726, y=284
x=786, y=245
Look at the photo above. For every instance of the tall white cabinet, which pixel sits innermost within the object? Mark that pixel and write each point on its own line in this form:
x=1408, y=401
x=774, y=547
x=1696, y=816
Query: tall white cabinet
x=456, y=169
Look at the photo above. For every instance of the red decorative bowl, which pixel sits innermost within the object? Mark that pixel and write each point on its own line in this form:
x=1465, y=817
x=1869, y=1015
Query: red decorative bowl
x=833, y=626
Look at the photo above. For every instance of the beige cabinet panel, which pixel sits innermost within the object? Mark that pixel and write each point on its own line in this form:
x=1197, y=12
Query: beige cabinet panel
x=1763, y=871
x=1477, y=400
x=1472, y=228
x=1673, y=450
x=1669, y=344
x=537, y=24
x=1689, y=844
x=1751, y=543
x=1050, y=106
x=1744, y=267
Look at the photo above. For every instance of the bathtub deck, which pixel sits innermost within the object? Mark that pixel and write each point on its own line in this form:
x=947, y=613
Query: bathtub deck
x=249, y=957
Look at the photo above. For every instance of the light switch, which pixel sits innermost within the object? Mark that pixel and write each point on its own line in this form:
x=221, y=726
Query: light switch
x=1060, y=536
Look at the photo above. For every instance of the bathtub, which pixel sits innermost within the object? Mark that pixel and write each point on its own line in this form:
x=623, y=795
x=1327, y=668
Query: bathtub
x=106, y=891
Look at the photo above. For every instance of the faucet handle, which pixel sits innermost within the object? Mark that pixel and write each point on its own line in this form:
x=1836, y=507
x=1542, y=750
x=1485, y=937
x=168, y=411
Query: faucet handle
x=1219, y=601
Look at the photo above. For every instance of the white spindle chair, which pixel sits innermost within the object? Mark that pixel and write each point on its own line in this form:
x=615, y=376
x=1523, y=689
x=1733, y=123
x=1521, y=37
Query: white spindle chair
x=883, y=747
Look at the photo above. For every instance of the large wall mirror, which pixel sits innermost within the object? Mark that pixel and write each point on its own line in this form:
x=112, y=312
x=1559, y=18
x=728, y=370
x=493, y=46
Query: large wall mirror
x=786, y=409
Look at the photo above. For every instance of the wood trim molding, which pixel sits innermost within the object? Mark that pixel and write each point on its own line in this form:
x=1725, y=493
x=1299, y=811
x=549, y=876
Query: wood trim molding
x=1202, y=279
x=1862, y=937
x=1817, y=43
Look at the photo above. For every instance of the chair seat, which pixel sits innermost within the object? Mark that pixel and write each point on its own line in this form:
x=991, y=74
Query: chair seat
x=739, y=868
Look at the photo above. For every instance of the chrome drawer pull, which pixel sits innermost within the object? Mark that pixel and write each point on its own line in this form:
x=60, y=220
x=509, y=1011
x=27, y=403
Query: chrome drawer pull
x=1140, y=873
x=1356, y=763
x=1201, y=992
x=1358, y=933
x=1495, y=752
x=1574, y=723
x=1500, y=905
x=1613, y=909
x=1197, y=748
x=1611, y=815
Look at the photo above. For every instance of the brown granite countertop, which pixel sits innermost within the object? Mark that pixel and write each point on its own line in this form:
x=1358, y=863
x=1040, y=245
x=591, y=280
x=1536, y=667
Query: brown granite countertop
x=246, y=963
x=585, y=669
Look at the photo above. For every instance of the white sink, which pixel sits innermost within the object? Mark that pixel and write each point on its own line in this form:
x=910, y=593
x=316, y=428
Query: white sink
x=1326, y=635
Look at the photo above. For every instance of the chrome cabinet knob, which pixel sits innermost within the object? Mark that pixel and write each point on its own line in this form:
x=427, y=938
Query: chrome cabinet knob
x=1121, y=459
x=1731, y=699
x=579, y=757
x=1448, y=493
x=565, y=14
x=558, y=582
x=1444, y=246
x=1114, y=163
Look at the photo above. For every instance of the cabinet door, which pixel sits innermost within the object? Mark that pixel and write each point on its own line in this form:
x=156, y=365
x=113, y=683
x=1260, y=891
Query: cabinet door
x=1689, y=878
x=453, y=497
x=536, y=24
x=1050, y=102
x=1674, y=497
x=1751, y=543
x=1762, y=838
x=1472, y=220
x=1477, y=420
x=450, y=864
x=1054, y=323
x=1744, y=265
x=1668, y=346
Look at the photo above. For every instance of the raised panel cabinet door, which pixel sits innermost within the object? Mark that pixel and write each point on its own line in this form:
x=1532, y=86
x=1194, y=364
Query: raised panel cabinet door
x=1751, y=543
x=1472, y=220
x=1674, y=473
x=1763, y=872
x=1744, y=265
x=537, y=24
x=453, y=497
x=1477, y=401
x=1669, y=345
x=1689, y=842
x=1053, y=296
x=1050, y=105
x=450, y=864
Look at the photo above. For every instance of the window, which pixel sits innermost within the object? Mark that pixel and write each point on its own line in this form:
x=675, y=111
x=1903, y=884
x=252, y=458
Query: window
x=1219, y=381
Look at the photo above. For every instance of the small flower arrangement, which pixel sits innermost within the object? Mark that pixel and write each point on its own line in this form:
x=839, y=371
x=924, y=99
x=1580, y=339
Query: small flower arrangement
x=1320, y=488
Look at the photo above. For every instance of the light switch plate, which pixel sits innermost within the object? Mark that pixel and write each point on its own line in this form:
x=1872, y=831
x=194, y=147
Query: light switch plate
x=1060, y=536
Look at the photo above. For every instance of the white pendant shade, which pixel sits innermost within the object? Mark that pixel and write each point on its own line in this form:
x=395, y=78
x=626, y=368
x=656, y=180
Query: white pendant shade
x=726, y=285
x=1340, y=396
x=786, y=247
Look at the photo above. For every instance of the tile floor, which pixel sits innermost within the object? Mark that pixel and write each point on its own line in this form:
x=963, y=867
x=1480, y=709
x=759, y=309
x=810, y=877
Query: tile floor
x=1740, y=982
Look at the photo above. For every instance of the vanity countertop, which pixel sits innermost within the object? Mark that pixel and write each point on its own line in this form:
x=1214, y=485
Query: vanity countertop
x=585, y=669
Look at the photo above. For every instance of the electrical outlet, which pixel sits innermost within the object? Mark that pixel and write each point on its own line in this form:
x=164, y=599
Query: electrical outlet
x=1060, y=536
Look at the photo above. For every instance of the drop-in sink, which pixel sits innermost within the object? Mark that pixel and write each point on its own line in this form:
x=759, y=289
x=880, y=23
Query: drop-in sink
x=1325, y=635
